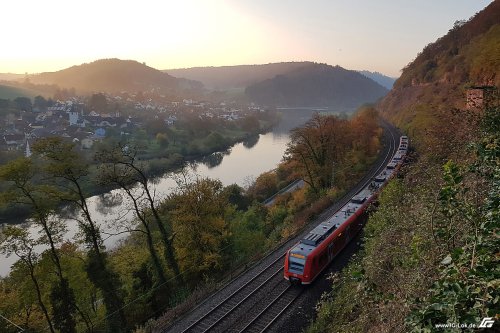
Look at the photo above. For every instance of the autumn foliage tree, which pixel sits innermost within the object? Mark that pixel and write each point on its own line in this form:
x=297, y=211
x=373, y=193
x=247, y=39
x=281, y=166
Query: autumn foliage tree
x=21, y=175
x=199, y=211
x=19, y=242
x=327, y=144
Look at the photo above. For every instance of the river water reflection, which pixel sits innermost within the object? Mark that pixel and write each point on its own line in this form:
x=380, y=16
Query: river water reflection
x=240, y=165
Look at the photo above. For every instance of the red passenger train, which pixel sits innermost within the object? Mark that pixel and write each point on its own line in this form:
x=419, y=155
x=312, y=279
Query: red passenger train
x=307, y=259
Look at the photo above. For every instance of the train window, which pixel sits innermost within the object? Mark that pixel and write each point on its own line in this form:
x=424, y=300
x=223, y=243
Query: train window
x=296, y=265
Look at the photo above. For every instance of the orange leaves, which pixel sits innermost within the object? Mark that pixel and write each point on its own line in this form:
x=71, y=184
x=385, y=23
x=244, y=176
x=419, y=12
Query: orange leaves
x=323, y=147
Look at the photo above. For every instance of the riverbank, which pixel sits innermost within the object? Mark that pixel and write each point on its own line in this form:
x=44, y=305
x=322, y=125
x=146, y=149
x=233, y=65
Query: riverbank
x=243, y=163
x=157, y=164
x=291, y=214
x=213, y=227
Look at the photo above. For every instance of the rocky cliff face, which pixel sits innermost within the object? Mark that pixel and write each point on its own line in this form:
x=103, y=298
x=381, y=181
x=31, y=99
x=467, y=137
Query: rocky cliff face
x=437, y=81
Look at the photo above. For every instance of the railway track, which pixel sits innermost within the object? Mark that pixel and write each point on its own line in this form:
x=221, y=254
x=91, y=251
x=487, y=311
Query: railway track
x=267, y=316
x=253, y=305
x=221, y=313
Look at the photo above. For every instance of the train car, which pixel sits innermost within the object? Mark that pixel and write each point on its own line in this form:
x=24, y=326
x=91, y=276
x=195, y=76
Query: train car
x=308, y=258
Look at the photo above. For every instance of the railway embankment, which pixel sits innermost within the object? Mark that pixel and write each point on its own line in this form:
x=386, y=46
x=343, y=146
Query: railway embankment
x=430, y=256
x=260, y=299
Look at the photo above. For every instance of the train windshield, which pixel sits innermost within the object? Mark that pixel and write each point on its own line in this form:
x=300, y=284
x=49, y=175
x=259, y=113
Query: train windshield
x=296, y=265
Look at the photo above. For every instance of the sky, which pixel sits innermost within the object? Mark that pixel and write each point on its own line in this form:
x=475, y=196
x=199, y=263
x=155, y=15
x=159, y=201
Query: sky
x=376, y=35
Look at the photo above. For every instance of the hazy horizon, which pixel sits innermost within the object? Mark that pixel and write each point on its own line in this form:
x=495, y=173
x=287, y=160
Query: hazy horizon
x=209, y=66
x=376, y=36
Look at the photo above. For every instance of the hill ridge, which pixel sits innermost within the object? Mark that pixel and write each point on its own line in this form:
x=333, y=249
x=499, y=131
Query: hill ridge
x=114, y=75
x=317, y=84
x=234, y=76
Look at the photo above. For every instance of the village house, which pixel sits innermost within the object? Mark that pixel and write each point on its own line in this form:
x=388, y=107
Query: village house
x=14, y=141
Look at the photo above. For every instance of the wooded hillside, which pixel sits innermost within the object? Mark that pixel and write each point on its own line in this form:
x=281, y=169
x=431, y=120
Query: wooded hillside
x=317, y=85
x=230, y=77
x=430, y=253
x=114, y=75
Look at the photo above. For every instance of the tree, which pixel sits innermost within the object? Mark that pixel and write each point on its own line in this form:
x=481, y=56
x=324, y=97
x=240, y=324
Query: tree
x=196, y=126
x=317, y=147
x=64, y=94
x=264, y=186
x=235, y=195
x=86, y=294
x=155, y=126
x=113, y=172
x=40, y=102
x=23, y=103
x=366, y=131
x=18, y=241
x=98, y=102
x=4, y=103
x=464, y=225
x=250, y=124
x=126, y=159
x=11, y=307
x=247, y=233
x=67, y=169
x=199, y=210
x=215, y=141
x=162, y=139
x=20, y=174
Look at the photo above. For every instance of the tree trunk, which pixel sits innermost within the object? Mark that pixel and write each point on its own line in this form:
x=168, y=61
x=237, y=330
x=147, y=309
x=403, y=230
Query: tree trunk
x=39, y=295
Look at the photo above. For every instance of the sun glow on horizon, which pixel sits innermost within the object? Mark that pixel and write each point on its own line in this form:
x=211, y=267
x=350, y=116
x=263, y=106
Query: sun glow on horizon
x=163, y=34
x=52, y=35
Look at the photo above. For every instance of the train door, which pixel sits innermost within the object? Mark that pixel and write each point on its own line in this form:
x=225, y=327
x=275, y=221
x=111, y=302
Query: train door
x=323, y=260
x=347, y=233
x=337, y=244
x=331, y=253
x=358, y=224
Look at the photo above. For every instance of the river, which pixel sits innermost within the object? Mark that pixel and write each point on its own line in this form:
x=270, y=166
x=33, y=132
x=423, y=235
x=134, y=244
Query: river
x=239, y=165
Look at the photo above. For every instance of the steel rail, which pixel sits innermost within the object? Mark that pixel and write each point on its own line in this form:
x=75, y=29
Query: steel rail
x=390, y=153
x=370, y=174
x=233, y=294
x=255, y=321
x=242, y=301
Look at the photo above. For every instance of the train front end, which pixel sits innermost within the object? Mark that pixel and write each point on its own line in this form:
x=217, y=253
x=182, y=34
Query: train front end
x=295, y=267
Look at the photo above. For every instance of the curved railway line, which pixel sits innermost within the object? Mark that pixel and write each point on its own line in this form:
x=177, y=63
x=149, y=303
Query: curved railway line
x=256, y=299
